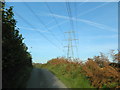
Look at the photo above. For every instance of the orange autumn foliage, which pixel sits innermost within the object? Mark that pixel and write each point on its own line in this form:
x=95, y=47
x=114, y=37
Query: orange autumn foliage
x=100, y=76
x=98, y=70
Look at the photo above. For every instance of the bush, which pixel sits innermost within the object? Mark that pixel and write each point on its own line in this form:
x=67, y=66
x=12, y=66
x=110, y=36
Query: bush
x=99, y=77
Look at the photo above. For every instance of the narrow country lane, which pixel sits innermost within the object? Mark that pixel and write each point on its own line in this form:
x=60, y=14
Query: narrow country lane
x=42, y=78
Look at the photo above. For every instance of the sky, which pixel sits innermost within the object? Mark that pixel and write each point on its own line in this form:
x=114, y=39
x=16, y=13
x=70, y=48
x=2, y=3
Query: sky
x=43, y=26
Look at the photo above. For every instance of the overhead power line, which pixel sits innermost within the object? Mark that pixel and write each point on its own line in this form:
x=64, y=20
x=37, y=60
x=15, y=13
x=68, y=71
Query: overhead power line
x=54, y=18
x=44, y=25
x=35, y=28
x=76, y=27
x=71, y=22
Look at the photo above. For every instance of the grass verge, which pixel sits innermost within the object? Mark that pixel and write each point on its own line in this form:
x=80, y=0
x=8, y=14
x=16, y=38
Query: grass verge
x=72, y=78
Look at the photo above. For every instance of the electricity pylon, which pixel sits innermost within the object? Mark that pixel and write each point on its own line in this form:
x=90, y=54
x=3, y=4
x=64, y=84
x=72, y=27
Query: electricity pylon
x=70, y=51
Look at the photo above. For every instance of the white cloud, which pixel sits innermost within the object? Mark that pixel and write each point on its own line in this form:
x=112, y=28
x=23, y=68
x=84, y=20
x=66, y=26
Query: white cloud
x=57, y=24
x=98, y=25
x=90, y=10
x=31, y=29
x=50, y=22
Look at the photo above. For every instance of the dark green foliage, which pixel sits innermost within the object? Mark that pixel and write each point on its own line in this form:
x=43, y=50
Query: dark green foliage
x=14, y=52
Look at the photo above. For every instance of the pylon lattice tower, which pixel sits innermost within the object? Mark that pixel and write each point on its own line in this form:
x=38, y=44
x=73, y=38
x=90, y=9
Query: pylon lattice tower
x=70, y=49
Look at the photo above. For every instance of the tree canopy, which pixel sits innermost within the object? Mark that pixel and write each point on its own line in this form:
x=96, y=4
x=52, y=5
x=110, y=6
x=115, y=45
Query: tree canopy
x=14, y=52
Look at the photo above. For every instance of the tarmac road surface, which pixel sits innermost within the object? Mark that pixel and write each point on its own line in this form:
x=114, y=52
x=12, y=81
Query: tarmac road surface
x=42, y=78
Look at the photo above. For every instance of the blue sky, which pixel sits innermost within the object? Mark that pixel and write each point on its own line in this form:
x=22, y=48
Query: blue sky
x=95, y=24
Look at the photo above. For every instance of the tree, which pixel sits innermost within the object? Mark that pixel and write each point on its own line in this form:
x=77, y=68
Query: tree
x=15, y=56
x=117, y=57
x=101, y=60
